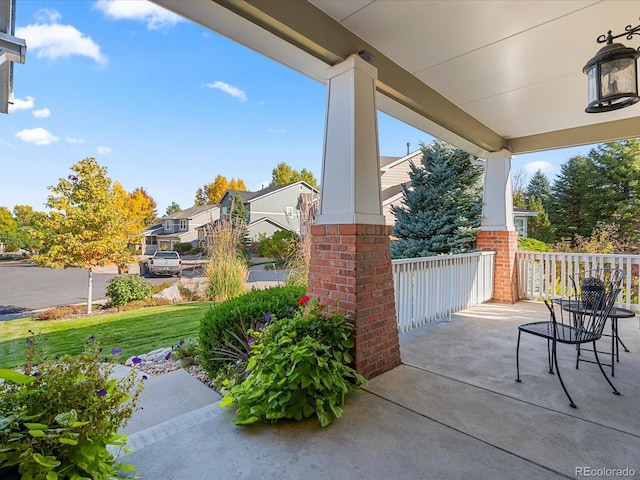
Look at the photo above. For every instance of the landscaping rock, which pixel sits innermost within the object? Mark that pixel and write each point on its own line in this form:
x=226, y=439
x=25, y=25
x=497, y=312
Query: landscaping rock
x=172, y=294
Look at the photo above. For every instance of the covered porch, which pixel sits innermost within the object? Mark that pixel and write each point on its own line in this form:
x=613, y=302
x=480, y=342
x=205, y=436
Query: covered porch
x=492, y=78
x=451, y=410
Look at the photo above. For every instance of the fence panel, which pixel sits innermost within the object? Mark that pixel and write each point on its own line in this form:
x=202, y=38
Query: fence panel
x=431, y=288
x=546, y=275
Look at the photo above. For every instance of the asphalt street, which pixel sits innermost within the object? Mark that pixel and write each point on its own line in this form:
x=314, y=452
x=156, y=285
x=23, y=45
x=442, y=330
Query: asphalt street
x=25, y=287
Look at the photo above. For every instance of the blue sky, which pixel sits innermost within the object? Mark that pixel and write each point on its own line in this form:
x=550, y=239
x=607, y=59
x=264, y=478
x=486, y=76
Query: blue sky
x=165, y=105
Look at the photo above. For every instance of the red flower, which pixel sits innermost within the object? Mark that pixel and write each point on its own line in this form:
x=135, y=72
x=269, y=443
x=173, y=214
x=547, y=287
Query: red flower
x=304, y=300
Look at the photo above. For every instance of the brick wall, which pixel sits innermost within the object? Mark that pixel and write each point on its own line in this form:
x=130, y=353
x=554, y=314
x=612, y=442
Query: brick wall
x=351, y=271
x=505, y=244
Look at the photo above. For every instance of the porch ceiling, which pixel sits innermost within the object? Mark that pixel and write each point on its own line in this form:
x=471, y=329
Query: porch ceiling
x=481, y=75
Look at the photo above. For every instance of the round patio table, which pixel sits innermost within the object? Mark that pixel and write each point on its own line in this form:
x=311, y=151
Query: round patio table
x=577, y=307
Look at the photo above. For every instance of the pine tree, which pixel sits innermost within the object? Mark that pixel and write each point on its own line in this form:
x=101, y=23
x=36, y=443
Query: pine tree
x=442, y=208
x=572, y=193
x=539, y=187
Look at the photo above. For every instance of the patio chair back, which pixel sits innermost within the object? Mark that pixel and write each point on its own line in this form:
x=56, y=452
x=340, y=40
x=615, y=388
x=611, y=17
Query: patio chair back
x=593, y=282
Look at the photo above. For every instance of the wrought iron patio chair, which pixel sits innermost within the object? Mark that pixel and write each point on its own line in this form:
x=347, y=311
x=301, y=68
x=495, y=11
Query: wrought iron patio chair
x=586, y=287
x=571, y=325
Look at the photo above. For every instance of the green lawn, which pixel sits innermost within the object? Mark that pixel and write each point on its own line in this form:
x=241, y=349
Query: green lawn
x=136, y=332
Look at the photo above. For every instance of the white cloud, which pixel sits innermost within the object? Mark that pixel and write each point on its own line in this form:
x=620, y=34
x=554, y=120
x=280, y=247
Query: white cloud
x=47, y=15
x=37, y=136
x=230, y=89
x=541, y=165
x=103, y=150
x=76, y=141
x=54, y=40
x=19, y=104
x=276, y=130
x=154, y=16
x=42, y=113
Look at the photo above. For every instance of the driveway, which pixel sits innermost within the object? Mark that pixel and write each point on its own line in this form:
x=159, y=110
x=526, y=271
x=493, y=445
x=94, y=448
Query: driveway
x=25, y=287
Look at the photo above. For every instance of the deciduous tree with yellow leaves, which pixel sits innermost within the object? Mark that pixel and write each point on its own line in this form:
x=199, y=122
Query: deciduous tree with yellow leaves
x=85, y=225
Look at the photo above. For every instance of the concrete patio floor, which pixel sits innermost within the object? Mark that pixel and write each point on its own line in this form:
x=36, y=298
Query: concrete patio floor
x=452, y=410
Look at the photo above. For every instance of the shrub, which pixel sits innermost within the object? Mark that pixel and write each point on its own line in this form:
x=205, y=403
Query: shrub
x=58, y=418
x=183, y=247
x=298, y=367
x=528, y=244
x=123, y=289
x=225, y=319
x=278, y=245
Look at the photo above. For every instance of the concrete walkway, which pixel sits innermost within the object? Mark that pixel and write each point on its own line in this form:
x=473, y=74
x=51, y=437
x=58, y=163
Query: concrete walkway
x=451, y=411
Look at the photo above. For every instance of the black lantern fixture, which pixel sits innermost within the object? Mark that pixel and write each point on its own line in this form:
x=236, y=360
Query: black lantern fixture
x=613, y=74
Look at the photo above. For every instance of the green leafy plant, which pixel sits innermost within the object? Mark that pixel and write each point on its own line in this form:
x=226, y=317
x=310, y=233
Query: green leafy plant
x=298, y=367
x=58, y=418
x=223, y=320
x=182, y=247
x=185, y=348
x=278, y=245
x=126, y=288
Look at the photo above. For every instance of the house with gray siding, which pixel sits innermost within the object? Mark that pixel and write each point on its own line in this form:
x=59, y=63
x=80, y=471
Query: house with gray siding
x=180, y=227
x=270, y=209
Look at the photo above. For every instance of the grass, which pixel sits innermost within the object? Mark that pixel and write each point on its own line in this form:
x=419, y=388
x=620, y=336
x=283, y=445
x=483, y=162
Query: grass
x=136, y=332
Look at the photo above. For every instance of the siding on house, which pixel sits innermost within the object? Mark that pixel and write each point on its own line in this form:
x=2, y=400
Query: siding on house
x=270, y=209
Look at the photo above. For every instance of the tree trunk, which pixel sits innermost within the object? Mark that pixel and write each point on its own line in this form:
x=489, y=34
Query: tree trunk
x=90, y=291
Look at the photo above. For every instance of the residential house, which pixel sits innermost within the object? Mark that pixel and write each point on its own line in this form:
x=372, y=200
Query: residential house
x=270, y=209
x=180, y=227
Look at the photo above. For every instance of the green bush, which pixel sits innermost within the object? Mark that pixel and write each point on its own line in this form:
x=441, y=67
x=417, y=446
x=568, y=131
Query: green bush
x=298, y=367
x=277, y=245
x=528, y=244
x=58, y=418
x=127, y=288
x=183, y=247
x=226, y=319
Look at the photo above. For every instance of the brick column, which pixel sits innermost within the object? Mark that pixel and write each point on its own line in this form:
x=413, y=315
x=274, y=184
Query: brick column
x=505, y=244
x=351, y=271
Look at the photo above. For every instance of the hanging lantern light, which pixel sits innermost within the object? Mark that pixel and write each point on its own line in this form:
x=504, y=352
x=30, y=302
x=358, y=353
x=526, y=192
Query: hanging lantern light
x=613, y=74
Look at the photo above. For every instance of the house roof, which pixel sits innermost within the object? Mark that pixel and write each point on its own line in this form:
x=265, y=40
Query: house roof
x=389, y=193
x=487, y=75
x=189, y=212
x=250, y=196
x=521, y=212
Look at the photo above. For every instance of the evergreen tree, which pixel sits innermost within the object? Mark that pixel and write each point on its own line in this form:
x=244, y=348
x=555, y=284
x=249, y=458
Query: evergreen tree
x=442, y=208
x=539, y=227
x=571, y=199
x=173, y=208
x=539, y=187
x=616, y=192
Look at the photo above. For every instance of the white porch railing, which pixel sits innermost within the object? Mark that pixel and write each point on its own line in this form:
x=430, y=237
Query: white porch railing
x=430, y=288
x=546, y=275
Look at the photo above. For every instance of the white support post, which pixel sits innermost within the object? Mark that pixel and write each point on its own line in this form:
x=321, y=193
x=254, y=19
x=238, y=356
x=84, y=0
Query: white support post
x=497, y=209
x=351, y=191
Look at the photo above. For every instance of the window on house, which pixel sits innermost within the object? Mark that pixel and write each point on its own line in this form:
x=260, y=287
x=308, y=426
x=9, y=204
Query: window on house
x=519, y=223
x=223, y=210
x=289, y=212
x=183, y=224
x=168, y=224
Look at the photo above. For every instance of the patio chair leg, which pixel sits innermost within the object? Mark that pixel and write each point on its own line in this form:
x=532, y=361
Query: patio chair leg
x=555, y=360
x=577, y=356
x=615, y=390
x=518, y=358
x=549, y=358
